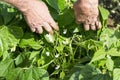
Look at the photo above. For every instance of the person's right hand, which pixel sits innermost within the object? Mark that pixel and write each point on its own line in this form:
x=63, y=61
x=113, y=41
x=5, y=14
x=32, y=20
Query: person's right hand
x=86, y=12
x=38, y=17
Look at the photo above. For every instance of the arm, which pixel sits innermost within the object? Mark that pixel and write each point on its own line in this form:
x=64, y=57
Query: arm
x=22, y=5
x=36, y=14
x=86, y=12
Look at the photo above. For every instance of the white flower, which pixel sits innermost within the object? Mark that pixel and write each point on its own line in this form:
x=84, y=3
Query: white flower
x=64, y=31
x=49, y=37
x=108, y=56
x=113, y=11
x=119, y=4
x=57, y=55
x=48, y=53
x=13, y=49
x=66, y=42
x=57, y=67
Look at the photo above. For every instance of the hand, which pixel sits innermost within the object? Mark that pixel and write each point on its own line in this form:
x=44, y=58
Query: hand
x=86, y=12
x=36, y=14
x=38, y=17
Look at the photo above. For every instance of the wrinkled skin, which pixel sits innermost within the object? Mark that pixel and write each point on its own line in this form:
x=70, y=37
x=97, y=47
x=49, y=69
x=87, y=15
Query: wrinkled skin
x=86, y=12
x=38, y=17
x=36, y=14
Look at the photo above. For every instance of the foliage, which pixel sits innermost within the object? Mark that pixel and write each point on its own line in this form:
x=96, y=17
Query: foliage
x=70, y=54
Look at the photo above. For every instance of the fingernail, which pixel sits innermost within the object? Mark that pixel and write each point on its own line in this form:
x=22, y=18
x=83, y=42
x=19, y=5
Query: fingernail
x=86, y=27
x=33, y=29
x=57, y=28
x=99, y=26
x=93, y=28
x=51, y=32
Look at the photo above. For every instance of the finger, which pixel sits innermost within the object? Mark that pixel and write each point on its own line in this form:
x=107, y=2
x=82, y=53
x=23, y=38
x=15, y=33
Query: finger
x=39, y=30
x=98, y=24
x=47, y=27
x=79, y=18
x=54, y=25
x=93, y=27
x=86, y=27
x=78, y=21
x=32, y=29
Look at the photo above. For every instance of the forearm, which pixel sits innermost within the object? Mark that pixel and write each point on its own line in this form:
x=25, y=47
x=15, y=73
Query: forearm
x=13, y=2
x=20, y=4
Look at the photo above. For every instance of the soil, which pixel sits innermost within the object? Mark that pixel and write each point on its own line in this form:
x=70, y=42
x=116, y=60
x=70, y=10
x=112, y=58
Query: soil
x=114, y=7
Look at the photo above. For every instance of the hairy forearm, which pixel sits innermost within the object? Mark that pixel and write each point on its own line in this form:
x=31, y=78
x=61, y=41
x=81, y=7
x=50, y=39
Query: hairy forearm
x=20, y=4
x=13, y=2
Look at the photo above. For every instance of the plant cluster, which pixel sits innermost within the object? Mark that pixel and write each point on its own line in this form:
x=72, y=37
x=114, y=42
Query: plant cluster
x=70, y=54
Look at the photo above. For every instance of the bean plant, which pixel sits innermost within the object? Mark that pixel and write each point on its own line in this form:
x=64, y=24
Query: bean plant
x=69, y=54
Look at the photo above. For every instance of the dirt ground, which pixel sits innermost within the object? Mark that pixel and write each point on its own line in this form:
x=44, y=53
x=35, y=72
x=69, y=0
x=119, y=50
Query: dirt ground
x=114, y=7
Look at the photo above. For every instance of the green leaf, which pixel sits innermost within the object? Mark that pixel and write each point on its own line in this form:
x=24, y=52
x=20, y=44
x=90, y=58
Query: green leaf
x=116, y=62
x=102, y=77
x=113, y=52
x=36, y=74
x=54, y=14
x=46, y=58
x=90, y=44
x=6, y=15
x=100, y=54
x=19, y=59
x=109, y=63
x=104, y=13
x=49, y=38
x=6, y=66
x=16, y=31
x=33, y=73
x=14, y=74
x=66, y=18
x=74, y=72
x=53, y=79
x=87, y=72
x=53, y=4
x=108, y=38
x=33, y=54
x=9, y=38
x=1, y=20
x=28, y=40
x=61, y=4
x=62, y=74
x=116, y=74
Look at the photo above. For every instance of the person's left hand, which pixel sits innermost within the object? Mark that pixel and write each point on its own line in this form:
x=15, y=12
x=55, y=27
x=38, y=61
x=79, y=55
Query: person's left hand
x=86, y=12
